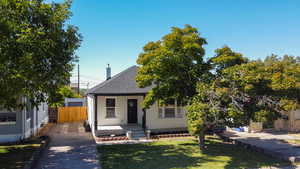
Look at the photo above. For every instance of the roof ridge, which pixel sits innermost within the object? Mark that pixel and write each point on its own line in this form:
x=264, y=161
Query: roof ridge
x=102, y=84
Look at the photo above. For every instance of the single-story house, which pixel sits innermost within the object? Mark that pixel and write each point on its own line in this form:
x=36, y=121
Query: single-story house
x=17, y=125
x=115, y=106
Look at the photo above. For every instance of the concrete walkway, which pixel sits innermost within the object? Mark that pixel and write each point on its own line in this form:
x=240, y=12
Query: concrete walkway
x=70, y=148
x=271, y=143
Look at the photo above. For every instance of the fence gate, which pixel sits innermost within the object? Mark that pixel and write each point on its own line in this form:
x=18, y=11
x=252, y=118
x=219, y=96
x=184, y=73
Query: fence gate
x=71, y=114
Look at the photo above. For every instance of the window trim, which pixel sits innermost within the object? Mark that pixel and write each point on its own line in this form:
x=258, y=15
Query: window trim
x=176, y=113
x=115, y=113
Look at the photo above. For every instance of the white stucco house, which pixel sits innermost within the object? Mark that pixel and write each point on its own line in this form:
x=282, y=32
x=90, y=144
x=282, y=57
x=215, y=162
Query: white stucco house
x=115, y=105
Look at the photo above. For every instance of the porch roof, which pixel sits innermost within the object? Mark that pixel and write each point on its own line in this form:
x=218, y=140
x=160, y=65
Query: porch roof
x=123, y=83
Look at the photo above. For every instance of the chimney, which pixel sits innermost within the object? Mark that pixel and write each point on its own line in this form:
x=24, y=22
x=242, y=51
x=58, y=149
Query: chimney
x=108, y=72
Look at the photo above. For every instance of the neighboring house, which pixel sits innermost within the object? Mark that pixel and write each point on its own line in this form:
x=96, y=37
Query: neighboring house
x=77, y=102
x=116, y=104
x=21, y=124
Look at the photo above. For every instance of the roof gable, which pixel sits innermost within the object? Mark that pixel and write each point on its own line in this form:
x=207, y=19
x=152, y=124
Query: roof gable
x=122, y=83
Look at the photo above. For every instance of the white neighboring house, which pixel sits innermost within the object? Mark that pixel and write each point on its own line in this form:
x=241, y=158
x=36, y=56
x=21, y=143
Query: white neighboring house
x=71, y=102
x=20, y=124
x=116, y=103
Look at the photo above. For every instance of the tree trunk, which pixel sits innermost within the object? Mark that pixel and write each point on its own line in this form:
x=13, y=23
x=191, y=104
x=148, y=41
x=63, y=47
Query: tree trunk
x=201, y=140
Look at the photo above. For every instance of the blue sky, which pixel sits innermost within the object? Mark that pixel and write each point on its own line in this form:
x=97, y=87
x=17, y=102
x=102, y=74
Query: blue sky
x=114, y=31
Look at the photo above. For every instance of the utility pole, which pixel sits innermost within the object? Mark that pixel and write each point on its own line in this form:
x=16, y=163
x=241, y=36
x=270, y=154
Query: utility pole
x=78, y=80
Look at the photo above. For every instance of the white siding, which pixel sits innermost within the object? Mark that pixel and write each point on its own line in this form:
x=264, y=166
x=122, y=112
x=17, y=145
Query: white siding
x=154, y=122
x=91, y=113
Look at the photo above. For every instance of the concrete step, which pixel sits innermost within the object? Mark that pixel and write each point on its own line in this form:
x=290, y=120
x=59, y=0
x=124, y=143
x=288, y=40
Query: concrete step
x=138, y=132
x=139, y=138
x=138, y=135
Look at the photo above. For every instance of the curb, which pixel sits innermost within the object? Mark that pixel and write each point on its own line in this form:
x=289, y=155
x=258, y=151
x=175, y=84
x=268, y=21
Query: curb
x=45, y=140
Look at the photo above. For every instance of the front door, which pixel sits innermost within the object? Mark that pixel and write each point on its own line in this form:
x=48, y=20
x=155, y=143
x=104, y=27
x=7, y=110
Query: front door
x=132, y=110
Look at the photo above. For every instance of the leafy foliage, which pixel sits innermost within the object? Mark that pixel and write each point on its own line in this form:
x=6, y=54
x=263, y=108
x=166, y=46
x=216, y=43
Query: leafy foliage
x=63, y=92
x=228, y=89
x=173, y=65
x=36, y=50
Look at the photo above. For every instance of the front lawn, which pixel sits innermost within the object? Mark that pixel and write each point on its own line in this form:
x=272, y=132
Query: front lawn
x=14, y=156
x=182, y=155
x=293, y=141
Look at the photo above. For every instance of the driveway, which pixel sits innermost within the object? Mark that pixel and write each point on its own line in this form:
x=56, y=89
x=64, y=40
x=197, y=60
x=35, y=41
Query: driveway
x=70, y=148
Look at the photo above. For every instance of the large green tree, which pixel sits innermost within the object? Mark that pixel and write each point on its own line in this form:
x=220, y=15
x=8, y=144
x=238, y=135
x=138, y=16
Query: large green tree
x=173, y=65
x=36, y=50
x=260, y=91
x=212, y=105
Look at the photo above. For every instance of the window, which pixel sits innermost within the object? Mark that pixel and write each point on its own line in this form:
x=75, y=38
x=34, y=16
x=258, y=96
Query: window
x=170, y=110
x=110, y=108
x=8, y=118
x=75, y=104
x=179, y=112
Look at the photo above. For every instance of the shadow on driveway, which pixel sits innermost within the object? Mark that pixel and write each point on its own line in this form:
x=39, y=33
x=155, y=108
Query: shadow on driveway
x=70, y=148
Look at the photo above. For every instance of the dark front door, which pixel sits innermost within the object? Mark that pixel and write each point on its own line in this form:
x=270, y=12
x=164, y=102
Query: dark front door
x=132, y=110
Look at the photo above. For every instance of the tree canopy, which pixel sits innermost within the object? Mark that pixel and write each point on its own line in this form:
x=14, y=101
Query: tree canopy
x=59, y=98
x=226, y=89
x=173, y=65
x=37, y=50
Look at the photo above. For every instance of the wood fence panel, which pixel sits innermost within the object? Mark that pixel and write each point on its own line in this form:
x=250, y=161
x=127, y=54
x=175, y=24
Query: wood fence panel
x=71, y=114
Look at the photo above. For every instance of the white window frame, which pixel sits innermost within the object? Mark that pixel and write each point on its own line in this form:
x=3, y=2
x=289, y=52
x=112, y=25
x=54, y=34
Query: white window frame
x=161, y=111
x=115, y=114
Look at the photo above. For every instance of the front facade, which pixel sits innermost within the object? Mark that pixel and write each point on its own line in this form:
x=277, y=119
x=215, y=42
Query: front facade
x=21, y=124
x=116, y=104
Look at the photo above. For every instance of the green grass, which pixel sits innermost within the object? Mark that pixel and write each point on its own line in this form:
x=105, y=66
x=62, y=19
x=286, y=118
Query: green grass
x=14, y=156
x=293, y=141
x=182, y=155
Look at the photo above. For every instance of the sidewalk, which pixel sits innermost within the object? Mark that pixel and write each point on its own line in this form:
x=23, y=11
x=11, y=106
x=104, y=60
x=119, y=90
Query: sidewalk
x=269, y=143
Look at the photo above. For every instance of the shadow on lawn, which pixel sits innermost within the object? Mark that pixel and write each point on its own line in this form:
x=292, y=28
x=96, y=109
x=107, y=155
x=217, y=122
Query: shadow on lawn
x=15, y=157
x=181, y=155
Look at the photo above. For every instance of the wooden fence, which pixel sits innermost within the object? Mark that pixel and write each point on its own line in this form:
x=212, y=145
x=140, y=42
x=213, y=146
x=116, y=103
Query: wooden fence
x=71, y=114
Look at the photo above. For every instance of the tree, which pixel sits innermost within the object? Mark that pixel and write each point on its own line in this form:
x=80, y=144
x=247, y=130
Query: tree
x=37, y=50
x=260, y=91
x=212, y=105
x=173, y=65
x=63, y=92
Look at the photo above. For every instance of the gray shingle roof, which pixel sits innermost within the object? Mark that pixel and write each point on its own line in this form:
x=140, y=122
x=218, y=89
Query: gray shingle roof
x=122, y=83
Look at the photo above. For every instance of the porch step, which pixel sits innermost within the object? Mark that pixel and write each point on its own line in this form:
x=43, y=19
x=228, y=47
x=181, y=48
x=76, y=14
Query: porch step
x=138, y=134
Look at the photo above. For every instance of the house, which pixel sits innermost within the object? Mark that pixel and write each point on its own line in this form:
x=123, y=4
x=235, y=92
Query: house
x=115, y=106
x=20, y=124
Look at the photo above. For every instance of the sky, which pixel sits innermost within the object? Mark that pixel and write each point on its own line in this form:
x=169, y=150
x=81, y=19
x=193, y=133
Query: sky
x=115, y=31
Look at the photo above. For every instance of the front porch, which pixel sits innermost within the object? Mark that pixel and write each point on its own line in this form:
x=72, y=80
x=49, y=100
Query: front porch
x=118, y=129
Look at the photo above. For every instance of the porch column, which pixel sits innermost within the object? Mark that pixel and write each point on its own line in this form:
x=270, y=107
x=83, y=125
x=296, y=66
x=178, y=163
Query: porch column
x=144, y=116
x=96, y=113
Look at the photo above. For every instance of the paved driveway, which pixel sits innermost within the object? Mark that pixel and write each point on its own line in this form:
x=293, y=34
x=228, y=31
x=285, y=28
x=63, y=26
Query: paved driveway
x=70, y=148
